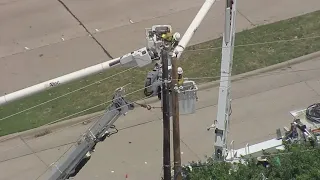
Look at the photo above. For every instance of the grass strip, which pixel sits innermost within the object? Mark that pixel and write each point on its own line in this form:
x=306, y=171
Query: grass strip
x=195, y=62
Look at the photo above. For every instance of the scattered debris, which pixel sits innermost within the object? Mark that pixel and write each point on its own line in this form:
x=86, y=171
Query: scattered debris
x=43, y=133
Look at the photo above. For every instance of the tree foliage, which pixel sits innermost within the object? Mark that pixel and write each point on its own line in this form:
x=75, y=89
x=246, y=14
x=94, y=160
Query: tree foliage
x=297, y=162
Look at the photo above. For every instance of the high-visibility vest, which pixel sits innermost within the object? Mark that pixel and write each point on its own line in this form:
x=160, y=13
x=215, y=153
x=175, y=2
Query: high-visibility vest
x=180, y=81
x=167, y=36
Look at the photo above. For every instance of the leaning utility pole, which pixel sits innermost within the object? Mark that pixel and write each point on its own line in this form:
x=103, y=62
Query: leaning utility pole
x=224, y=102
x=175, y=123
x=166, y=114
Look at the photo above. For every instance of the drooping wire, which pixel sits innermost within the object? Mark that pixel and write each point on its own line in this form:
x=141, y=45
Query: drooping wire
x=79, y=112
x=191, y=78
x=113, y=127
x=68, y=93
x=254, y=44
x=243, y=45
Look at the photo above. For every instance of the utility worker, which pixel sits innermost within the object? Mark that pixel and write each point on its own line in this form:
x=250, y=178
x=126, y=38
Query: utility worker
x=172, y=38
x=180, y=77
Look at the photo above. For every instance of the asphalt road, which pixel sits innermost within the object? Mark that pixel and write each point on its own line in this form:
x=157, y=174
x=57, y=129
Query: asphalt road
x=40, y=39
x=261, y=104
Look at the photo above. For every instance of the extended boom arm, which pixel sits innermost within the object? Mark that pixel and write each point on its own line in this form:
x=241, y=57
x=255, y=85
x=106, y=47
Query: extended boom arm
x=138, y=58
x=80, y=153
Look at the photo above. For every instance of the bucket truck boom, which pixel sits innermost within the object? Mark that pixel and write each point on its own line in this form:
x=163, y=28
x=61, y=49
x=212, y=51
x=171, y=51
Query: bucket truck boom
x=221, y=125
x=140, y=58
x=79, y=154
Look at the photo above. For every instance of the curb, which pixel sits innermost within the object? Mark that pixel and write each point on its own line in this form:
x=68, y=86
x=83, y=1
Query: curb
x=263, y=70
x=81, y=119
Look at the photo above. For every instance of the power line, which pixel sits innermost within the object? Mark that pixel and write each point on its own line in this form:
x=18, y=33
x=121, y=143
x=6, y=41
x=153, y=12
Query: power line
x=68, y=93
x=79, y=112
x=81, y=137
x=260, y=75
x=191, y=78
x=261, y=43
x=120, y=129
x=73, y=92
x=243, y=45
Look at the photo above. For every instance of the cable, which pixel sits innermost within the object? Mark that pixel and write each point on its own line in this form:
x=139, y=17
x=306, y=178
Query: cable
x=261, y=75
x=68, y=93
x=94, y=107
x=279, y=41
x=218, y=76
x=117, y=130
x=125, y=128
x=87, y=131
x=192, y=78
x=253, y=44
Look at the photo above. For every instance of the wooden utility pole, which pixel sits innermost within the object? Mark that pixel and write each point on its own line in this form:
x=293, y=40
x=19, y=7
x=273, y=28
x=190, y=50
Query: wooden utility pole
x=166, y=115
x=175, y=123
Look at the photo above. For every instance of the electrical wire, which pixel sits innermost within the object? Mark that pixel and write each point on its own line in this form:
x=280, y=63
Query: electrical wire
x=270, y=42
x=188, y=78
x=191, y=78
x=131, y=127
x=91, y=126
x=120, y=129
x=255, y=76
x=279, y=41
x=79, y=112
x=85, y=133
x=125, y=128
x=68, y=93
x=195, y=78
x=254, y=44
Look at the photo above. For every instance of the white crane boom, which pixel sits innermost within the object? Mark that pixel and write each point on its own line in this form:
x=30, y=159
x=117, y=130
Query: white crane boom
x=192, y=28
x=140, y=58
